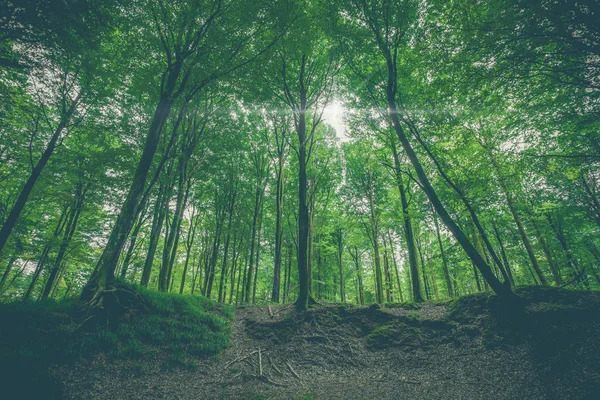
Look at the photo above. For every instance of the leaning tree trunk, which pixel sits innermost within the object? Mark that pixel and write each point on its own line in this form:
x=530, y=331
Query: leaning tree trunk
x=103, y=275
x=66, y=241
x=17, y=208
x=498, y=287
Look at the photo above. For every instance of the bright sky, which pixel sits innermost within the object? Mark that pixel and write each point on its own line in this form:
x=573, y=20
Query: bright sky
x=334, y=116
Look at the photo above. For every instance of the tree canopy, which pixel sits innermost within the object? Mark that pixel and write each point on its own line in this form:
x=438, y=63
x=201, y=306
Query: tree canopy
x=190, y=146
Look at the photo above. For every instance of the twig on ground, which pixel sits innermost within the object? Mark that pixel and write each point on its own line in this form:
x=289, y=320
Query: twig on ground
x=274, y=366
x=240, y=359
x=292, y=371
x=268, y=380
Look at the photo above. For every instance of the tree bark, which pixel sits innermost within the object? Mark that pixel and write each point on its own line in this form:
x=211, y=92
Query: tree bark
x=66, y=241
x=157, y=223
x=408, y=229
x=103, y=275
x=278, y=230
x=449, y=287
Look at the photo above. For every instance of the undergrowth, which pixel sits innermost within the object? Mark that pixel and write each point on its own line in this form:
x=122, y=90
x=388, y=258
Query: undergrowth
x=173, y=327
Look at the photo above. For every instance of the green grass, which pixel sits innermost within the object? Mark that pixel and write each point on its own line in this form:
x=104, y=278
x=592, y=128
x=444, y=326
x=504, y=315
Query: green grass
x=176, y=328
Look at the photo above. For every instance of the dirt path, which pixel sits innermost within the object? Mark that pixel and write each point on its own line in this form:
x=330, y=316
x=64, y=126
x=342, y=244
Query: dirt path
x=336, y=352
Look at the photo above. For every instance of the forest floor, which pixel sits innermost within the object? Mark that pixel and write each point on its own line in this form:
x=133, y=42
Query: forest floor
x=472, y=348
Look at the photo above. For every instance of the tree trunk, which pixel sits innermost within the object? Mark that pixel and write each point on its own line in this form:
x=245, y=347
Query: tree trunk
x=226, y=248
x=467, y=205
x=340, y=248
x=278, y=231
x=66, y=241
x=356, y=257
x=551, y=263
x=303, y=217
x=498, y=287
x=571, y=260
x=408, y=229
x=17, y=208
x=132, y=243
x=7, y=270
x=157, y=223
x=395, y=268
x=189, y=243
x=524, y=238
x=63, y=220
x=503, y=253
x=258, y=247
x=248, y=279
x=36, y=274
x=375, y=242
x=443, y=256
x=103, y=275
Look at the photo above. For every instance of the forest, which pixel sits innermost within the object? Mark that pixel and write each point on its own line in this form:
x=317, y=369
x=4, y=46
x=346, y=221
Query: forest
x=297, y=154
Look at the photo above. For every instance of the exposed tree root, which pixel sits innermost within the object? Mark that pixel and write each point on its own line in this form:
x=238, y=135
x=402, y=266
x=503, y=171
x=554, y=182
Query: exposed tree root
x=111, y=304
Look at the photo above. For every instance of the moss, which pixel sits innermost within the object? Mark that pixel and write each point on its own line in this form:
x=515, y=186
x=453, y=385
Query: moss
x=395, y=334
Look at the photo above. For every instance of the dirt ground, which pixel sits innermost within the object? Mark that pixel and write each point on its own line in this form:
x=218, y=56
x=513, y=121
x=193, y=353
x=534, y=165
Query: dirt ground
x=344, y=352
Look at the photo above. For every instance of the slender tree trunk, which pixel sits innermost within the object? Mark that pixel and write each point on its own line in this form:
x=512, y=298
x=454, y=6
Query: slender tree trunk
x=66, y=241
x=132, y=243
x=237, y=250
x=468, y=206
x=423, y=271
x=310, y=248
x=258, y=247
x=189, y=243
x=417, y=295
x=226, y=249
x=63, y=220
x=36, y=274
x=375, y=242
x=524, y=238
x=21, y=201
x=449, y=287
x=278, y=231
x=157, y=223
x=210, y=274
x=61, y=271
x=286, y=291
x=594, y=250
x=571, y=260
x=170, y=241
x=249, y=278
x=7, y=270
x=595, y=203
x=551, y=263
x=503, y=253
x=388, y=280
x=395, y=268
x=356, y=257
x=319, y=271
x=498, y=287
x=340, y=248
